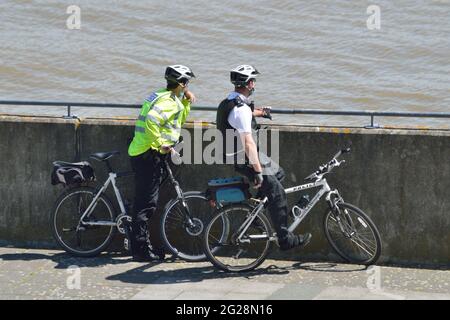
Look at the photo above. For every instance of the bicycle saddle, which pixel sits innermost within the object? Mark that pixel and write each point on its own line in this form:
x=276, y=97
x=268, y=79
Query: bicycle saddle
x=102, y=156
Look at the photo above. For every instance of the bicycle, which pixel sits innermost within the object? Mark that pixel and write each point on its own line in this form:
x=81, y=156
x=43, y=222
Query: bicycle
x=84, y=220
x=249, y=236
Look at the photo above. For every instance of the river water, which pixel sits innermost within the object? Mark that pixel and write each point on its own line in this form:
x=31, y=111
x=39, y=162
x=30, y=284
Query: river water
x=311, y=54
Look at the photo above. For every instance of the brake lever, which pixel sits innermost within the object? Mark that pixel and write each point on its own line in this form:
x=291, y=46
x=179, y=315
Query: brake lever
x=175, y=155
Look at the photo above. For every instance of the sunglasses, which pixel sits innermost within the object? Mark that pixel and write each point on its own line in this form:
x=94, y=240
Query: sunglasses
x=184, y=82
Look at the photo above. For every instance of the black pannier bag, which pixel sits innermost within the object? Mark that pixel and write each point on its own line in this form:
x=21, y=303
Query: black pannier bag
x=72, y=173
x=228, y=190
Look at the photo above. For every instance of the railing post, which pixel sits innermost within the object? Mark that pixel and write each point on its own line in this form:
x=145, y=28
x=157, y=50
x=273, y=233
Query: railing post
x=372, y=124
x=69, y=115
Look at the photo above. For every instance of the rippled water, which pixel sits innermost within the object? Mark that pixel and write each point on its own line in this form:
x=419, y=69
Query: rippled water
x=312, y=54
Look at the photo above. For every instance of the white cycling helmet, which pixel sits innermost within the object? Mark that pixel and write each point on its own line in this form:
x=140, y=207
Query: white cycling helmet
x=240, y=75
x=178, y=73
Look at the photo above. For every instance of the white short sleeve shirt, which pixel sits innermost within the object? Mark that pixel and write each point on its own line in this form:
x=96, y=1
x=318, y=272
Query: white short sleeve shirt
x=240, y=118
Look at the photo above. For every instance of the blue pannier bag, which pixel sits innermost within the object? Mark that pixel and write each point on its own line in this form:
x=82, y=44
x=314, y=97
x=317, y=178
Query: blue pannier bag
x=228, y=190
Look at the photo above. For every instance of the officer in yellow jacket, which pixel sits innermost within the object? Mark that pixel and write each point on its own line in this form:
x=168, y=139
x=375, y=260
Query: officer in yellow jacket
x=157, y=129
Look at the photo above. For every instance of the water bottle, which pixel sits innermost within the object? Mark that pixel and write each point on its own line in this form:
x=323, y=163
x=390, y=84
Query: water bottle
x=303, y=202
x=299, y=208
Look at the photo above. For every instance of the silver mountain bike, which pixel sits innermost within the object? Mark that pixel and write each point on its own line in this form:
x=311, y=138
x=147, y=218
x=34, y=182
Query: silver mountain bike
x=249, y=234
x=84, y=219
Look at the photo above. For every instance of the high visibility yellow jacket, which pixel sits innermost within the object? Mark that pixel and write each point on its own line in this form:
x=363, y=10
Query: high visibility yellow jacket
x=159, y=122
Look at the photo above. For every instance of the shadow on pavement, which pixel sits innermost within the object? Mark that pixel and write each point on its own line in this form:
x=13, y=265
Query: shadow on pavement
x=64, y=260
x=142, y=274
x=175, y=273
x=328, y=267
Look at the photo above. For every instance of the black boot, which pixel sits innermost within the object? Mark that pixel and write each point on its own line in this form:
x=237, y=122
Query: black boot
x=141, y=248
x=142, y=251
x=158, y=252
x=288, y=240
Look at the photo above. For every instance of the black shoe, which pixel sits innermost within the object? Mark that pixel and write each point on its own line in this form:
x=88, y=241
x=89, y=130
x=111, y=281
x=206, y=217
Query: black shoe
x=159, y=252
x=144, y=251
x=291, y=241
x=147, y=256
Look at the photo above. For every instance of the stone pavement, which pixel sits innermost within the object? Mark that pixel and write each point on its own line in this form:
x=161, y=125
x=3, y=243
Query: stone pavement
x=49, y=274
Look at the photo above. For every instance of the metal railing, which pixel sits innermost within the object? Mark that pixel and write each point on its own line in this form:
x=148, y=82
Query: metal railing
x=371, y=114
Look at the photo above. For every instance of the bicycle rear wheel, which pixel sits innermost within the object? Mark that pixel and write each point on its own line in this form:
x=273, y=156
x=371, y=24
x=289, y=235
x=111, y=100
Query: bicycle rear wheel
x=353, y=235
x=228, y=253
x=181, y=239
x=80, y=239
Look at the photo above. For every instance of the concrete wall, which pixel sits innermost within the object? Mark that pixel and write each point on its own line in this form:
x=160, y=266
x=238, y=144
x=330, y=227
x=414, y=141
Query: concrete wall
x=400, y=178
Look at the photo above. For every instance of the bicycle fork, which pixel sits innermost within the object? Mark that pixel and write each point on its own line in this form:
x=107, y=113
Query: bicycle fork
x=180, y=195
x=332, y=203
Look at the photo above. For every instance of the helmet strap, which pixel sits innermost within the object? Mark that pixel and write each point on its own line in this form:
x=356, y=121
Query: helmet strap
x=250, y=91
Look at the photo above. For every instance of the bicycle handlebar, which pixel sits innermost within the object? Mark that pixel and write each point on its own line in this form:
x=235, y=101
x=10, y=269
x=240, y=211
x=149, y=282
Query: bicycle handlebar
x=326, y=168
x=342, y=151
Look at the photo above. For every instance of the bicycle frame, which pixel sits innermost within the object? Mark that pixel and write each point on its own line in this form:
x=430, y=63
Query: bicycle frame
x=324, y=189
x=111, y=180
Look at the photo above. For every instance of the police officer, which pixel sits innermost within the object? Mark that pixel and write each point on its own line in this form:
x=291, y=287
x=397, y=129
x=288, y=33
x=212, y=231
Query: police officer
x=157, y=129
x=236, y=116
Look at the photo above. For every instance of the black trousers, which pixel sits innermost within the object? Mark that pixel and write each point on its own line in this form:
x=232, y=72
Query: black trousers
x=148, y=169
x=274, y=191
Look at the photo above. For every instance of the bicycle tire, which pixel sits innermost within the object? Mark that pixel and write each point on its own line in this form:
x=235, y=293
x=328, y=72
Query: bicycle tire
x=57, y=234
x=212, y=251
x=365, y=221
x=180, y=240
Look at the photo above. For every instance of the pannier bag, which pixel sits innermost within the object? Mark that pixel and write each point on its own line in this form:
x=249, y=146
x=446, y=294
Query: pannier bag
x=72, y=173
x=228, y=190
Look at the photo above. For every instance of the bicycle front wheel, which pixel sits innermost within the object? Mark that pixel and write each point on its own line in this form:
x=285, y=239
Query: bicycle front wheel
x=78, y=238
x=352, y=234
x=233, y=252
x=182, y=239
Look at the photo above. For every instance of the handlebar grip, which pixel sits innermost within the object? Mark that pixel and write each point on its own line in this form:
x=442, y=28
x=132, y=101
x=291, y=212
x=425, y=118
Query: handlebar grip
x=342, y=151
x=267, y=114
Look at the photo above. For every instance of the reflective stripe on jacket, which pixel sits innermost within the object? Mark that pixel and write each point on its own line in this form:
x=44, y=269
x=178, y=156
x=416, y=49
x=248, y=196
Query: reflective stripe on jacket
x=159, y=123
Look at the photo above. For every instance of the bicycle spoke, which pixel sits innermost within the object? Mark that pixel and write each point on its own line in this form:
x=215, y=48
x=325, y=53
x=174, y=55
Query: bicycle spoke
x=237, y=254
x=183, y=238
x=360, y=244
x=92, y=238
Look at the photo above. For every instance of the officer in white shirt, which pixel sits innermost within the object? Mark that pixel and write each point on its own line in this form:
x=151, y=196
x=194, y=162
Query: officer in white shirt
x=236, y=113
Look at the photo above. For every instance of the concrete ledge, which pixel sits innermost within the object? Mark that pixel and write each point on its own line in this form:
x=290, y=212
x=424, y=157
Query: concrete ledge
x=400, y=177
x=129, y=121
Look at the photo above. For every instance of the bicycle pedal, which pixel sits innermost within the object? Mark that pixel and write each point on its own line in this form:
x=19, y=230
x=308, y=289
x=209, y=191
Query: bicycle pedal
x=126, y=244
